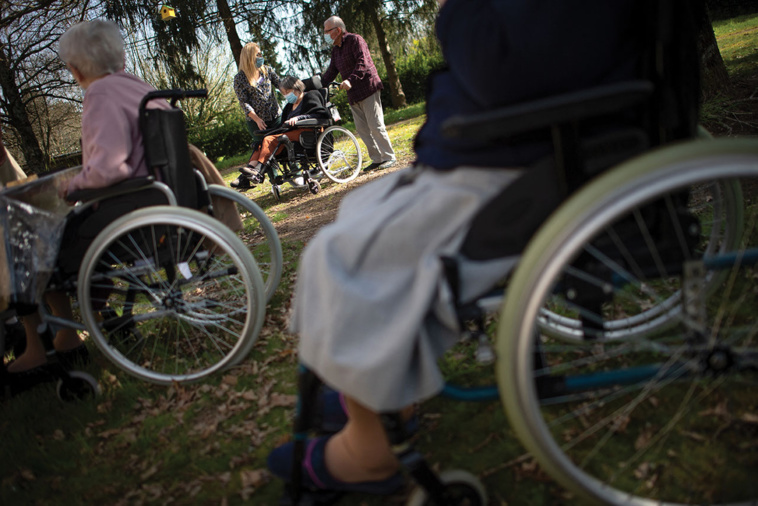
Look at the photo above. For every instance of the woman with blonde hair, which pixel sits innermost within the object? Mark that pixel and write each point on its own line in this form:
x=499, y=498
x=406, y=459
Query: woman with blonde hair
x=255, y=85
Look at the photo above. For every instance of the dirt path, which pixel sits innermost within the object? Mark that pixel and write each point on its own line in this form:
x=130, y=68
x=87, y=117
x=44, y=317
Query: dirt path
x=306, y=213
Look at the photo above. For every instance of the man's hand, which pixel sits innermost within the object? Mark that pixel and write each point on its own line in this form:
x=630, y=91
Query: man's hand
x=345, y=85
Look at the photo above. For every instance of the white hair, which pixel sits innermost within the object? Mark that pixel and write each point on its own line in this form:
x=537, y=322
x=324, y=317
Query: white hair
x=95, y=48
x=338, y=23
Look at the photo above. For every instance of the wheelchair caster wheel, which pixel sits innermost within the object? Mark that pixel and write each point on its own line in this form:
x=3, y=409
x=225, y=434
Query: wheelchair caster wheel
x=277, y=193
x=461, y=488
x=78, y=386
x=314, y=187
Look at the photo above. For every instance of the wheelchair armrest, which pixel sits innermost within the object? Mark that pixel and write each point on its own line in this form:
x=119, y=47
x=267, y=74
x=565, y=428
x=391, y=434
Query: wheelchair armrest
x=312, y=122
x=127, y=186
x=546, y=112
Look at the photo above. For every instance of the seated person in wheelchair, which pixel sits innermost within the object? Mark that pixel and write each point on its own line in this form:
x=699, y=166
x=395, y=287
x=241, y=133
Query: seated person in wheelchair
x=301, y=105
x=372, y=308
x=112, y=152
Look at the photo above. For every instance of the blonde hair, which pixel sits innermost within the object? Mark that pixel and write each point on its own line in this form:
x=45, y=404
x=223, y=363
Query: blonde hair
x=247, y=62
x=95, y=48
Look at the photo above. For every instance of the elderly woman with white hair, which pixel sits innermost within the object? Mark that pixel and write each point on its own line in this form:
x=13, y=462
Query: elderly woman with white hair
x=112, y=151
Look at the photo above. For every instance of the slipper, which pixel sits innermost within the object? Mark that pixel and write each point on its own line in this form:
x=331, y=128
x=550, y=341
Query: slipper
x=25, y=380
x=74, y=357
x=316, y=477
x=331, y=413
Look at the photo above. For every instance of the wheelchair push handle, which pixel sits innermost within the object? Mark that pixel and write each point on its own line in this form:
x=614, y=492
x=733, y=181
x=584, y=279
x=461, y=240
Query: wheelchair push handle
x=174, y=95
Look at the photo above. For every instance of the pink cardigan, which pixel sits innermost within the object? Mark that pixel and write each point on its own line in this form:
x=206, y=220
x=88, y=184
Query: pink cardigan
x=112, y=148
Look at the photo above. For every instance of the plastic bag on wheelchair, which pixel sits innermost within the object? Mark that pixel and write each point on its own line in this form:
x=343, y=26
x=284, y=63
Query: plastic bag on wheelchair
x=31, y=218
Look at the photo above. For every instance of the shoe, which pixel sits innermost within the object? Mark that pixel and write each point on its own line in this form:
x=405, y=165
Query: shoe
x=241, y=183
x=316, y=477
x=253, y=174
x=74, y=357
x=387, y=164
x=18, y=382
x=372, y=166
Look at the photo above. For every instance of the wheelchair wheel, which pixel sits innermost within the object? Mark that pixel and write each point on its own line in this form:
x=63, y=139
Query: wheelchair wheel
x=339, y=154
x=461, y=487
x=314, y=187
x=667, y=417
x=720, y=205
x=77, y=386
x=258, y=234
x=170, y=296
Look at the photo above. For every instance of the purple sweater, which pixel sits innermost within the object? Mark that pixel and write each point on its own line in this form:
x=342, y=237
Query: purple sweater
x=352, y=60
x=112, y=148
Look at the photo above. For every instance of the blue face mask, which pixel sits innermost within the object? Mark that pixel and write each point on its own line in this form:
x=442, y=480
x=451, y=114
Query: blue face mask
x=290, y=97
x=328, y=39
x=259, y=62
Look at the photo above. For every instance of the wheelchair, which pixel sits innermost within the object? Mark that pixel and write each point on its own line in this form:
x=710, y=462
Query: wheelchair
x=166, y=293
x=324, y=149
x=627, y=358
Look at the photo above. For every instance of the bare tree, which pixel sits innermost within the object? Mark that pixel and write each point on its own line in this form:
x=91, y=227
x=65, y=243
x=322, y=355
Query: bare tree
x=32, y=75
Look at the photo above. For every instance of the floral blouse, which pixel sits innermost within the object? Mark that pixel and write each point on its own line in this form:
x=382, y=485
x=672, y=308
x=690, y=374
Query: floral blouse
x=260, y=99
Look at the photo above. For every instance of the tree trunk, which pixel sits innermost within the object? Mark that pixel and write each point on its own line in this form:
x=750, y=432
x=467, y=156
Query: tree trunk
x=225, y=13
x=396, y=89
x=19, y=119
x=713, y=74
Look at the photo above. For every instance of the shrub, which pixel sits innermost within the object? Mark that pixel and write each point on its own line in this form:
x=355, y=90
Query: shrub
x=226, y=135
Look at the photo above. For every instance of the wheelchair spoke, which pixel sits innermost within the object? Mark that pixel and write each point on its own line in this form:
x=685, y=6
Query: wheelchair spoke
x=179, y=296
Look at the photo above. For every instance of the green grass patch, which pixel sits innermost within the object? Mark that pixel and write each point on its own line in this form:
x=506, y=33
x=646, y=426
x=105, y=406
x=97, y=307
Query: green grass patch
x=737, y=39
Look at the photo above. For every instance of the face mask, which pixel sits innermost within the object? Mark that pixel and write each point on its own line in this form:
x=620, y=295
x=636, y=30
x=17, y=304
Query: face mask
x=328, y=39
x=291, y=98
x=259, y=62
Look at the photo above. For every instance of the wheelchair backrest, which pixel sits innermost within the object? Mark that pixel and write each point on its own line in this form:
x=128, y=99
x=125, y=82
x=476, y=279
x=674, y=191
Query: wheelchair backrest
x=591, y=130
x=164, y=136
x=314, y=83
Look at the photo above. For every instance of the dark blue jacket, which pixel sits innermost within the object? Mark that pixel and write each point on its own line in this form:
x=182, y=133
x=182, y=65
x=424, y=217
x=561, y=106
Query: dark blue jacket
x=501, y=52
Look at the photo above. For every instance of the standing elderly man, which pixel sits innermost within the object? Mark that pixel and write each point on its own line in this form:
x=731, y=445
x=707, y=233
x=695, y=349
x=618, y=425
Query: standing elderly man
x=352, y=60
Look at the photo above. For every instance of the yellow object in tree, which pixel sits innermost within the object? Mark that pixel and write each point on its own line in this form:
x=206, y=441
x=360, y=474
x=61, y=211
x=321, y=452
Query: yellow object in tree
x=167, y=13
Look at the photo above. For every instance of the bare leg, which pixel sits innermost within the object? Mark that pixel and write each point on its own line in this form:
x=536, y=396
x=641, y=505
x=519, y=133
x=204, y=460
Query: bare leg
x=361, y=450
x=65, y=339
x=34, y=355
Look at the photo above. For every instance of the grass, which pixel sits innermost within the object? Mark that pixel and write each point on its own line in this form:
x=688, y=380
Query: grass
x=206, y=444
x=738, y=42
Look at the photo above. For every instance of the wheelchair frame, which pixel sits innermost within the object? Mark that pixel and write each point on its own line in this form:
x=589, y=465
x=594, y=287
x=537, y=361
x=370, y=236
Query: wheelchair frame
x=164, y=292
x=334, y=153
x=575, y=387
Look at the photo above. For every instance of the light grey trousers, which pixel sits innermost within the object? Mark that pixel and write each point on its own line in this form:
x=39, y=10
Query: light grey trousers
x=369, y=122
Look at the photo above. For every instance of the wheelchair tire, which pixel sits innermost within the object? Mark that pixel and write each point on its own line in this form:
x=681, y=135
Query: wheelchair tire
x=462, y=488
x=314, y=187
x=260, y=236
x=77, y=387
x=625, y=421
x=184, y=296
x=338, y=154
